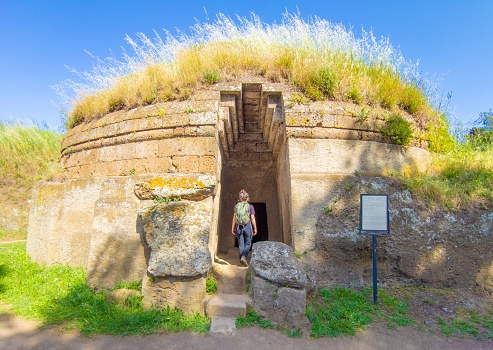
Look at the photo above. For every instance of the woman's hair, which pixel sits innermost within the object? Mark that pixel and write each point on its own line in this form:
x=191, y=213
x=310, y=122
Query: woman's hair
x=243, y=195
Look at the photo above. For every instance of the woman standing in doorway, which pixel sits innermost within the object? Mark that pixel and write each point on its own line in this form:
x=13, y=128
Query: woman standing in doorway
x=245, y=224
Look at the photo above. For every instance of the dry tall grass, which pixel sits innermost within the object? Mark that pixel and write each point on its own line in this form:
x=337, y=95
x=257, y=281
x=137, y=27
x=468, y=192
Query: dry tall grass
x=321, y=59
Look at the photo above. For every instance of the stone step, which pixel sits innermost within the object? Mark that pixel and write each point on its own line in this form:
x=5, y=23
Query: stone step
x=251, y=136
x=233, y=279
x=227, y=305
x=222, y=325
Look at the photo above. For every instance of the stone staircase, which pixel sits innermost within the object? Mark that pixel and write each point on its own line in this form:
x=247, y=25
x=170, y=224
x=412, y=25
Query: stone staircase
x=250, y=125
x=230, y=300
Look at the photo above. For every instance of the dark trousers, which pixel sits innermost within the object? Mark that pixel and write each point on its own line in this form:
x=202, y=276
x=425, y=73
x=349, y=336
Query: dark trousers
x=244, y=233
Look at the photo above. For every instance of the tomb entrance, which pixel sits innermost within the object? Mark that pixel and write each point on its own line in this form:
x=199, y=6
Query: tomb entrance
x=251, y=134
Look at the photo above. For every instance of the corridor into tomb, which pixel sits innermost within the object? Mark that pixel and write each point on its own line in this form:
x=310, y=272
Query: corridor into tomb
x=252, y=144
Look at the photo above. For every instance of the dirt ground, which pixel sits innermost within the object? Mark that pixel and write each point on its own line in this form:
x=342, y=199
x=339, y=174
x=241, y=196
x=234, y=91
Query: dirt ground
x=17, y=333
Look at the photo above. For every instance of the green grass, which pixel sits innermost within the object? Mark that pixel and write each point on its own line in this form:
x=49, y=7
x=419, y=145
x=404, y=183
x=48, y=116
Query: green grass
x=339, y=311
x=135, y=285
x=465, y=326
x=57, y=296
x=12, y=235
x=27, y=153
x=343, y=311
x=252, y=318
x=210, y=285
x=459, y=180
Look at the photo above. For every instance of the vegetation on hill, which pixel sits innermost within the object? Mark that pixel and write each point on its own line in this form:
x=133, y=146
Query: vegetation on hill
x=27, y=153
x=462, y=177
x=321, y=59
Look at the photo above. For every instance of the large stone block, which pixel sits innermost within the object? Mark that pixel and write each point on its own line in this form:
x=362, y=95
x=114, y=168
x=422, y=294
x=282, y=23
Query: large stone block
x=283, y=305
x=116, y=253
x=189, y=186
x=184, y=293
x=276, y=262
x=178, y=236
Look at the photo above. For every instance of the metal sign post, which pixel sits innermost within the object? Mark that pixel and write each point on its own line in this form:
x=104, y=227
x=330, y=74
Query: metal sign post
x=374, y=220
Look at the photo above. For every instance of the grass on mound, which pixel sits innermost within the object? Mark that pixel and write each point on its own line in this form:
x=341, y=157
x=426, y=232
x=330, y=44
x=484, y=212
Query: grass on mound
x=462, y=177
x=57, y=296
x=27, y=153
x=321, y=59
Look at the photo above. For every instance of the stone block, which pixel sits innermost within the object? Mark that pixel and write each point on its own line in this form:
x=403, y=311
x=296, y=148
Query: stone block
x=227, y=305
x=184, y=293
x=282, y=305
x=178, y=235
x=185, y=186
x=276, y=262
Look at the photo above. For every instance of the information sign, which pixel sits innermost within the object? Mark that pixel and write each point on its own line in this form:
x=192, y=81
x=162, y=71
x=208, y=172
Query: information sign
x=374, y=220
x=374, y=214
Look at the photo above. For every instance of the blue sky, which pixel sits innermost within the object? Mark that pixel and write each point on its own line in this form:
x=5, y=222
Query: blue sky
x=453, y=39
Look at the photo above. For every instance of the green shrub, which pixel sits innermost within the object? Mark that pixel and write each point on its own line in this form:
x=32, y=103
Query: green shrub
x=323, y=83
x=398, y=129
x=211, y=77
x=437, y=134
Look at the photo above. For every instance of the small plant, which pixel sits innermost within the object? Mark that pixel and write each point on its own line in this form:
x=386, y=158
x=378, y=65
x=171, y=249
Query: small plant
x=336, y=200
x=355, y=95
x=166, y=200
x=327, y=209
x=136, y=285
x=297, y=255
x=364, y=114
x=132, y=171
x=298, y=98
x=251, y=319
x=349, y=186
x=211, y=77
x=398, y=129
x=356, y=172
x=247, y=288
x=190, y=110
x=210, y=285
x=160, y=112
x=323, y=83
x=103, y=124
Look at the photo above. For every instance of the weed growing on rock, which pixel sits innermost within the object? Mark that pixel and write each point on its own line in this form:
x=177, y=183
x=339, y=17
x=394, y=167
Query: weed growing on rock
x=135, y=285
x=210, y=285
x=398, y=129
x=211, y=77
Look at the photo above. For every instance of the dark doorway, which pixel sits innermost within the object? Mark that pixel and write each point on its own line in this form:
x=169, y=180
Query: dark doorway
x=261, y=219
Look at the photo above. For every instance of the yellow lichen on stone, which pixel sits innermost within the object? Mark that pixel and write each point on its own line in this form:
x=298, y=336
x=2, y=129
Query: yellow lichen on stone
x=175, y=183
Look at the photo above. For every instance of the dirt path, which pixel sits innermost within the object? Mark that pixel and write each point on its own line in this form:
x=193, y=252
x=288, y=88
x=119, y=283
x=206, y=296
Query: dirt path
x=17, y=333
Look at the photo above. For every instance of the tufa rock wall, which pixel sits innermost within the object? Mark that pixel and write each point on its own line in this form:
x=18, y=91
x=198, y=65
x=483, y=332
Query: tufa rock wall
x=424, y=247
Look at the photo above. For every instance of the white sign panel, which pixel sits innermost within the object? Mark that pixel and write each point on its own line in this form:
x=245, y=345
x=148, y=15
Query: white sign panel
x=374, y=213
